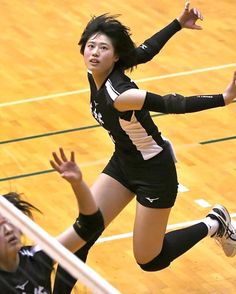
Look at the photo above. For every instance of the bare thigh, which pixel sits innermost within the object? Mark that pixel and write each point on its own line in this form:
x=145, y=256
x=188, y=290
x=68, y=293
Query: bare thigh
x=110, y=196
x=149, y=230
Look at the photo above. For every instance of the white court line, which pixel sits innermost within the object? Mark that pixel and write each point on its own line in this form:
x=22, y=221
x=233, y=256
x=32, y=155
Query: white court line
x=202, y=203
x=44, y=97
x=190, y=72
x=182, y=188
x=76, y=92
x=169, y=227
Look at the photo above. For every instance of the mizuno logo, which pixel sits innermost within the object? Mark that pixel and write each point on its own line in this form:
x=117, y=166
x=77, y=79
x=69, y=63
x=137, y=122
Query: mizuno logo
x=143, y=46
x=152, y=199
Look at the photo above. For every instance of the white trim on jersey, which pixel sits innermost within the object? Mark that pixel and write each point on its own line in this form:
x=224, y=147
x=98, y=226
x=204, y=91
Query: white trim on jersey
x=30, y=251
x=139, y=137
x=111, y=91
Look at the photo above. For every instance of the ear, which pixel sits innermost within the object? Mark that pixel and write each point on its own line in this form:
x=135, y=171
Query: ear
x=116, y=58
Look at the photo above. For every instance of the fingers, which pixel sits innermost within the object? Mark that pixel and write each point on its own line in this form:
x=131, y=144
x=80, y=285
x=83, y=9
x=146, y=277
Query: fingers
x=54, y=166
x=57, y=162
x=230, y=91
x=197, y=13
x=197, y=27
x=56, y=158
x=187, y=4
x=72, y=156
x=234, y=78
x=63, y=156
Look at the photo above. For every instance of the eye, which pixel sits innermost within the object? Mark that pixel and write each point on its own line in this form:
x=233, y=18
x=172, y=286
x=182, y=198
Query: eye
x=90, y=45
x=2, y=221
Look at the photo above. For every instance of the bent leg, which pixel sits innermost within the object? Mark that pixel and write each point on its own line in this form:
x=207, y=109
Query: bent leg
x=153, y=249
x=149, y=231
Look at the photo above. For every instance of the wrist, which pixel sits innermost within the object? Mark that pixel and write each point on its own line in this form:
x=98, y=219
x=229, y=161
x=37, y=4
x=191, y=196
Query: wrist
x=227, y=98
x=181, y=24
x=76, y=182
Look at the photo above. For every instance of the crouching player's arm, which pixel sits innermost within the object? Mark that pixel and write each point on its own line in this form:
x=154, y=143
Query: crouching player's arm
x=90, y=219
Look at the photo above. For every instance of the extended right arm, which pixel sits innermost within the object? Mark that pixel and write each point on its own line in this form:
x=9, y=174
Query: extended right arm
x=136, y=99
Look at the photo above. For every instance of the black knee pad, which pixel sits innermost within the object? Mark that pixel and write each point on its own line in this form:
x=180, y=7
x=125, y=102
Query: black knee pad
x=86, y=226
x=158, y=263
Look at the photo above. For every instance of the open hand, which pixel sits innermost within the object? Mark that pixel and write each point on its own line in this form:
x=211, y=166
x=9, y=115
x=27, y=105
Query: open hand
x=68, y=169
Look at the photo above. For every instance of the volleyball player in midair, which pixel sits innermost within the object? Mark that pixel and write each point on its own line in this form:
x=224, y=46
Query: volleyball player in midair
x=142, y=164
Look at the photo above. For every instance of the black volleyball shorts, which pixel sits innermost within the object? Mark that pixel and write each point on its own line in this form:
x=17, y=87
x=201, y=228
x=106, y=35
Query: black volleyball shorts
x=154, y=181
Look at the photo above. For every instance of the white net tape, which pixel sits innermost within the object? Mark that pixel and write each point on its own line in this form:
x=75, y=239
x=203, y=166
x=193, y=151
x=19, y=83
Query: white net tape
x=55, y=250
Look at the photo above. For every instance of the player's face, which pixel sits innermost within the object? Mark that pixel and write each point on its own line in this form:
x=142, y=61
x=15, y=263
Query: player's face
x=10, y=239
x=99, y=54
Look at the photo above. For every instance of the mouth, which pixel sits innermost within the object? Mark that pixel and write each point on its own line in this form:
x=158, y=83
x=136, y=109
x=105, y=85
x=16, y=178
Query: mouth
x=13, y=240
x=94, y=61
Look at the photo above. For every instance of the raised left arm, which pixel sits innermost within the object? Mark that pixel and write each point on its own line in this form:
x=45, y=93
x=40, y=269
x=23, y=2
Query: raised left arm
x=152, y=46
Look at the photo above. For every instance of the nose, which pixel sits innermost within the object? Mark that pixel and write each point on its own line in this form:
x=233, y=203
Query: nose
x=95, y=51
x=7, y=228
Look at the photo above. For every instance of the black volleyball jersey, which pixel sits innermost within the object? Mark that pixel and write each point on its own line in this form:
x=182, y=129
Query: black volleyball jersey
x=33, y=275
x=134, y=133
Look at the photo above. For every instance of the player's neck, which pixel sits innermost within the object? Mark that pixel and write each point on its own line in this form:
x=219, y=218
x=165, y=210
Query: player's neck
x=100, y=77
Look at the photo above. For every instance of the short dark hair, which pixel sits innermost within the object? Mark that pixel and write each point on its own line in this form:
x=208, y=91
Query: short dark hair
x=22, y=205
x=119, y=35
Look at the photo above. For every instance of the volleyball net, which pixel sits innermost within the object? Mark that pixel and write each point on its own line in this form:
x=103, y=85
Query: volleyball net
x=79, y=270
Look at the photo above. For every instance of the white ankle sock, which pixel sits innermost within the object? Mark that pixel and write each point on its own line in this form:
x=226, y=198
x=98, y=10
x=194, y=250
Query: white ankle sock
x=212, y=225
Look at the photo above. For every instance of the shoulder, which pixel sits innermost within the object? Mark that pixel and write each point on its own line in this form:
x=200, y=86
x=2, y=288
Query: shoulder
x=118, y=82
x=34, y=252
x=118, y=76
x=28, y=250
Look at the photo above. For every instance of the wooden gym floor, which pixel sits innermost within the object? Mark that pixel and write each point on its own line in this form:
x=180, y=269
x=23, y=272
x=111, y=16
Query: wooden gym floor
x=44, y=104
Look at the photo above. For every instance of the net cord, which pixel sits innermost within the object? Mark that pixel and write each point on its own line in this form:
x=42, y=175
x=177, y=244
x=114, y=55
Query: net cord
x=79, y=270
